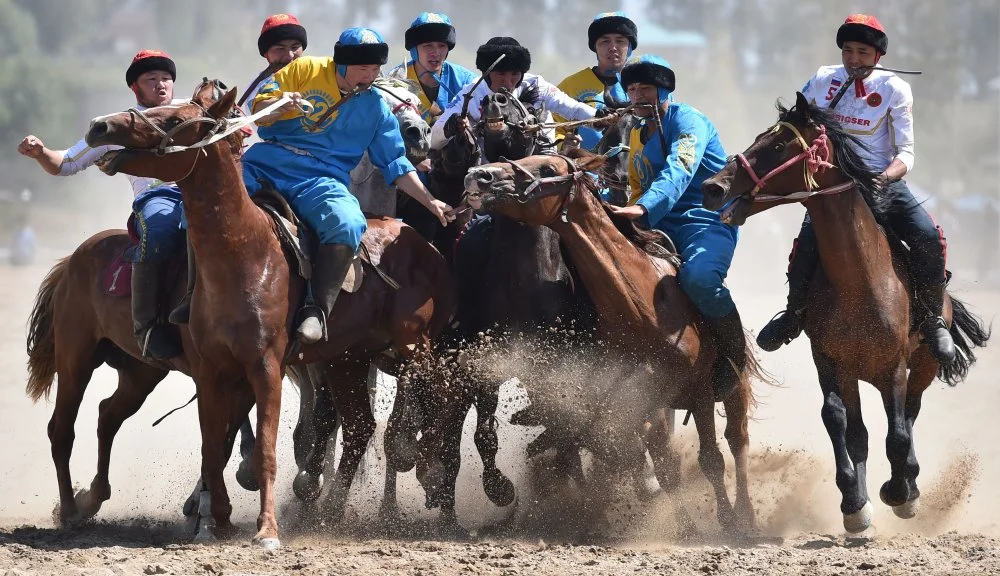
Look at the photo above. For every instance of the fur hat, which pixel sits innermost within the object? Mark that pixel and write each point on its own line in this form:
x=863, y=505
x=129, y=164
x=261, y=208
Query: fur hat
x=360, y=46
x=612, y=23
x=147, y=61
x=430, y=27
x=280, y=27
x=518, y=58
x=865, y=29
x=648, y=69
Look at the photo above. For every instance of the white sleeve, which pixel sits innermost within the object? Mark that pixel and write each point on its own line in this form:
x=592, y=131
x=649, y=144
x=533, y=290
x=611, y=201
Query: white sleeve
x=438, y=139
x=901, y=123
x=563, y=104
x=80, y=157
x=813, y=90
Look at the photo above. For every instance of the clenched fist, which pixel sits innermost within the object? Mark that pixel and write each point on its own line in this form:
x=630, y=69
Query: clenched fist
x=31, y=146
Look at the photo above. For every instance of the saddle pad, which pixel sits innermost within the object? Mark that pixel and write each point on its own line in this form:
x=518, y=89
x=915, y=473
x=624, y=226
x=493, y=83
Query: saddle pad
x=118, y=275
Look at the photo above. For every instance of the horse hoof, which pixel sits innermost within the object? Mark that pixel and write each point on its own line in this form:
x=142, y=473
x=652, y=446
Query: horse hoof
x=269, y=544
x=205, y=535
x=883, y=494
x=499, y=489
x=246, y=478
x=907, y=510
x=859, y=521
x=306, y=487
x=86, y=505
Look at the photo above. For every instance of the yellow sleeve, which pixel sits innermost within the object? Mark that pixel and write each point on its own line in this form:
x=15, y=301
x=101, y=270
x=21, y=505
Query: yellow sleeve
x=289, y=79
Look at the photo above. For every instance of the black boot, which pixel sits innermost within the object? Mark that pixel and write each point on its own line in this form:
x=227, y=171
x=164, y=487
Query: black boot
x=787, y=324
x=182, y=313
x=731, y=355
x=155, y=340
x=332, y=264
x=933, y=328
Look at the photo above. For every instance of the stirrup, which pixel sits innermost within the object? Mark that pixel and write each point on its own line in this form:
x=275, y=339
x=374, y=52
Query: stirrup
x=305, y=313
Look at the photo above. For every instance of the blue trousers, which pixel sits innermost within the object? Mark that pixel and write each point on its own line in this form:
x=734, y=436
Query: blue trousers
x=706, y=252
x=158, y=214
x=319, y=198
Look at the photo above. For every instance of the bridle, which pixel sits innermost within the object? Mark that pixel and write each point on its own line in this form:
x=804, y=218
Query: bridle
x=815, y=159
x=549, y=186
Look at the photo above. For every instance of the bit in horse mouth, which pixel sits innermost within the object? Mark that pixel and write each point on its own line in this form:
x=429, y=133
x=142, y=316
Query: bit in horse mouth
x=494, y=125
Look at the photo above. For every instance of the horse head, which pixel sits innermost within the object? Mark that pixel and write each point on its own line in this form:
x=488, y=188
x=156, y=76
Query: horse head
x=146, y=135
x=401, y=95
x=787, y=163
x=614, y=146
x=506, y=120
x=535, y=190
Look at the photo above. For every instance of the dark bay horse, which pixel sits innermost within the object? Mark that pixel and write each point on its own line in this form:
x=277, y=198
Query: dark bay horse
x=859, y=315
x=246, y=292
x=642, y=314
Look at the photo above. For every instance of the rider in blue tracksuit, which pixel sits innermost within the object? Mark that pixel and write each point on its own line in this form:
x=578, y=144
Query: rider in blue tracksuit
x=668, y=162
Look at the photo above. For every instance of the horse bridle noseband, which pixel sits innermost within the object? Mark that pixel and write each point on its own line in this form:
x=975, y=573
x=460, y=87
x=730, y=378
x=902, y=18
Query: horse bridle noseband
x=815, y=159
x=568, y=193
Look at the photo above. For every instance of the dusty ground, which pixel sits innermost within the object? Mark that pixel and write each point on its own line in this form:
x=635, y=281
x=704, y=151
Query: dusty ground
x=153, y=469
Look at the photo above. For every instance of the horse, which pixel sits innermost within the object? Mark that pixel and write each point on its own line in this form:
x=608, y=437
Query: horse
x=643, y=314
x=859, y=315
x=239, y=324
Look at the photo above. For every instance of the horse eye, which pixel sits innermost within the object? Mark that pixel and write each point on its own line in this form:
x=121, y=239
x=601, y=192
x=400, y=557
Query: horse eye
x=779, y=146
x=547, y=171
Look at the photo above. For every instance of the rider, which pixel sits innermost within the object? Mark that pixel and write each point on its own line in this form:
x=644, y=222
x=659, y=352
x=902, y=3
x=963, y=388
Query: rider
x=673, y=149
x=156, y=207
x=512, y=74
x=308, y=162
x=876, y=106
x=430, y=38
x=613, y=37
x=282, y=39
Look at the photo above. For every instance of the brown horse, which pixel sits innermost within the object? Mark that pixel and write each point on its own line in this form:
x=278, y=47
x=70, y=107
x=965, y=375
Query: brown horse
x=642, y=312
x=245, y=295
x=858, y=316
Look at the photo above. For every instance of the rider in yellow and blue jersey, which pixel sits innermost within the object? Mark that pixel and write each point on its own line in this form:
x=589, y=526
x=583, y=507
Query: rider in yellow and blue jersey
x=309, y=164
x=612, y=36
x=673, y=149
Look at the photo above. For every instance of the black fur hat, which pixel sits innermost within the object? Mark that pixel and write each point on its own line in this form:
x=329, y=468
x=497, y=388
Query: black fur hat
x=518, y=58
x=612, y=23
x=865, y=29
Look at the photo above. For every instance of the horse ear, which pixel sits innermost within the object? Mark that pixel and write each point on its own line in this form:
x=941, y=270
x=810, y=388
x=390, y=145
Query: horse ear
x=586, y=161
x=221, y=108
x=802, y=104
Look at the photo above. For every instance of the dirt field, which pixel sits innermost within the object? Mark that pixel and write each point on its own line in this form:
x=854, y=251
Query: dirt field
x=792, y=482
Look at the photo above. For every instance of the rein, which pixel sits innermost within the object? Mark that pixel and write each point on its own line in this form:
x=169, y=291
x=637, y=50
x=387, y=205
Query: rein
x=568, y=193
x=815, y=159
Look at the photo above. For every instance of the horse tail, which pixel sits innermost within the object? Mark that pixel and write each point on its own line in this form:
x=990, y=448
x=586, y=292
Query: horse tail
x=968, y=332
x=752, y=371
x=41, y=335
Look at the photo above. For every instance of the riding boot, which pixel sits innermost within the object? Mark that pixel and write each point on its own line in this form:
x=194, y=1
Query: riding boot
x=333, y=261
x=155, y=340
x=787, y=324
x=933, y=328
x=731, y=355
x=182, y=313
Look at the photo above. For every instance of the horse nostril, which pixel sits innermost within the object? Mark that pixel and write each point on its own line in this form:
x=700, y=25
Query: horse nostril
x=484, y=178
x=98, y=128
x=413, y=133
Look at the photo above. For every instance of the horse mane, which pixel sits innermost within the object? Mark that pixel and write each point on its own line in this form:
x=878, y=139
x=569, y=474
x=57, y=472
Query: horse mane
x=846, y=149
x=529, y=96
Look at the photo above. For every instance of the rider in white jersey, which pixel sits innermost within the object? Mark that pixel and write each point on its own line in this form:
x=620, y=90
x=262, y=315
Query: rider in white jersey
x=156, y=207
x=876, y=106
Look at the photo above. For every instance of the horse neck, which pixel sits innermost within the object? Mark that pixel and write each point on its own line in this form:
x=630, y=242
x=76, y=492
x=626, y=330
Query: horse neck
x=219, y=212
x=849, y=240
x=619, y=278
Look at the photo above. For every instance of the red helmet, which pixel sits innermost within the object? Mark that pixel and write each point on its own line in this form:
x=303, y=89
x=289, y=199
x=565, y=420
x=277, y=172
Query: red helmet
x=147, y=61
x=865, y=29
x=280, y=27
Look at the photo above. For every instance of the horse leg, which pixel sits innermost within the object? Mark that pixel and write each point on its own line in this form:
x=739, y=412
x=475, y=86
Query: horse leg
x=244, y=474
x=304, y=435
x=352, y=404
x=923, y=370
x=74, y=368
x=321, y=422
x=451, y=461
x=135, y=381
x=265, y=378
x=710, y=459
x=898, y=441
x=838, y=418
x=737, y=434
x=499, y=489
x=657, y=437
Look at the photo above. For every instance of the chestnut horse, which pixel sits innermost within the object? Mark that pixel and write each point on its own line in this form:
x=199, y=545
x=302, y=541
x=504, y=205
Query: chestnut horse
x=642, y=314
x=858, y=316
x=246, y=292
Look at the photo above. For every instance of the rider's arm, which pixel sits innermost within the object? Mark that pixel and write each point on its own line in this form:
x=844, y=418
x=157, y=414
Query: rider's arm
x=387, y=150
x=686, y=151
x=901, y=124
x=51, y=160
x=287, y=80
x=438, y=138
x=558, y=102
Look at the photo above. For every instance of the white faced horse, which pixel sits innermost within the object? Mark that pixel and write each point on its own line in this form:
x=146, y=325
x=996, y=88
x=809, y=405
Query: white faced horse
x=367, y=184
